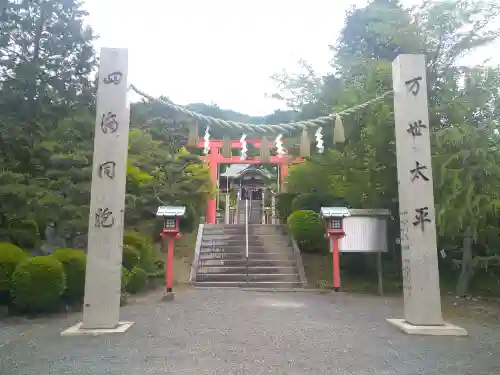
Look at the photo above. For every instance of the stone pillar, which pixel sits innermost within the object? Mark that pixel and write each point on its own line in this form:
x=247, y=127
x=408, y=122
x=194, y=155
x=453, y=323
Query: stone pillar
x=107, y=195
x=422, y=300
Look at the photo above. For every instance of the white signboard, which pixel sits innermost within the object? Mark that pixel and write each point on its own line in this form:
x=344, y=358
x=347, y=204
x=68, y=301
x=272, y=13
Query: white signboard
x=366, y=234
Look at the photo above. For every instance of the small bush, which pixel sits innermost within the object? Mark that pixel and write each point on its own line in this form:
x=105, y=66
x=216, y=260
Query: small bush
x=24, y=233
x=38, y=283
x=10, y=257
x=307, y=228
x=74, y=263
x=144, y=248
x=138, y=281
x=284, y=204
x=130, y=257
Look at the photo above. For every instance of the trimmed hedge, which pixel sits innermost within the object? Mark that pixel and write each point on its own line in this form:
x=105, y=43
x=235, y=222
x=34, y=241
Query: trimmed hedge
x=130, y=257
x=307, y=228
x=138, y=280
x=38, y=284
x=74, y=263
x=10, y=257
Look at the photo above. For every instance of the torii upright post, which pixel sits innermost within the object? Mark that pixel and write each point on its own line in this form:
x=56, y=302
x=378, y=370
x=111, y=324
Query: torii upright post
x=422, y=299
x=213, y=158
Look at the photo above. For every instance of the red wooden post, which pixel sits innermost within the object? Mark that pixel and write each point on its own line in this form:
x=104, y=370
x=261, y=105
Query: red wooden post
x=283, y=173
x=336, y=264
x=212, y=203
x=169, y=265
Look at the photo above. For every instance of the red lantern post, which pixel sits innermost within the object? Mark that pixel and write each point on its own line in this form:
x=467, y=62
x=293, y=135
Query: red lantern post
x=170, y=232
x=334, y=232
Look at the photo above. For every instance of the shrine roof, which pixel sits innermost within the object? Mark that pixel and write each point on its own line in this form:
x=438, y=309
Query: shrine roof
x=234, y=170
x=238, y=170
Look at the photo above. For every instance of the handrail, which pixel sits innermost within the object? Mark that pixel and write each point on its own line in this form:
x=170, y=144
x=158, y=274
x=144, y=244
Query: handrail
x=246, y=235
x=246, y=228
x=197, y=249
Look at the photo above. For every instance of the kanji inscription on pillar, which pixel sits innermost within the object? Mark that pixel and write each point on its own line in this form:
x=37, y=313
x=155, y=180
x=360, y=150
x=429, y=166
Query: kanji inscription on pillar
x=107, y=196
x=422, y=304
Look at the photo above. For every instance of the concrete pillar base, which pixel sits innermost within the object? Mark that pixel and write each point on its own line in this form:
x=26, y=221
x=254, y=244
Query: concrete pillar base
x=446, y=329
x=77, y=330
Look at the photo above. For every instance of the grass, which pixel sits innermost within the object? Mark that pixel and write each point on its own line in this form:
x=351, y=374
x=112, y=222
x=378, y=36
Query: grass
x=183, y=257
x=318, y=269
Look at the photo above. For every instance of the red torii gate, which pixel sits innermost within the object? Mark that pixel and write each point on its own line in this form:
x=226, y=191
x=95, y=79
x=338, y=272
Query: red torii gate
x=214, y=158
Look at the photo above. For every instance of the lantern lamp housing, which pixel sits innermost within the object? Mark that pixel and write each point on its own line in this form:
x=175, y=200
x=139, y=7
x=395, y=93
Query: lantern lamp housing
x=171, y=218
x=333, y=217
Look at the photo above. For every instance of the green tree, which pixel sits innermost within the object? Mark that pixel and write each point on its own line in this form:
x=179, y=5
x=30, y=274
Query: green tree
x=45, y=94
x=461, y=100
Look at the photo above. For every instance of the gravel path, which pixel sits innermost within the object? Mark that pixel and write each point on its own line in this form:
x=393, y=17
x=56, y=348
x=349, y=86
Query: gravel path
x=242, y=332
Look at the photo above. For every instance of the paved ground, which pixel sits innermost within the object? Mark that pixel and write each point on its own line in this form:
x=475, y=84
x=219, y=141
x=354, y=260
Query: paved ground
x=236, y=332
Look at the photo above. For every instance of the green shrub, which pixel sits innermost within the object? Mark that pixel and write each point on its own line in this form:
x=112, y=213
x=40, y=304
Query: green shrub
x=314, y=202
x=190, y=221
x=74, y=263
x=10, y=257
x=284, y=204
x=125, y=278
x=307, y=228
x=24, y=233
x=143, y=246
x=130, y=257
x=138, y=280
x=38, y=283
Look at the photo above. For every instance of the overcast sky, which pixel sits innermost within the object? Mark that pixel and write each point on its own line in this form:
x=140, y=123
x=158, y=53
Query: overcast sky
x=220, y=51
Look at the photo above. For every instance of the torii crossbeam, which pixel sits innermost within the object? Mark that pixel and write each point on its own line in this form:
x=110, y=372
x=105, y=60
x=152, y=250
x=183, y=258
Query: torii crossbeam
x=214, y=158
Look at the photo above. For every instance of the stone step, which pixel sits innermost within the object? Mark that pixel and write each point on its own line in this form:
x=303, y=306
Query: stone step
x=242, y=241
x=239, y=245
x=240, y=228
x=222, y=232
x=244, y=269
x=251, y=284
x=269, y=232
x=223, y=226
x=221, y=237
x=290, y=277
x=267, y=226
x=252, y=251
x=241, y=256
x=252, y=262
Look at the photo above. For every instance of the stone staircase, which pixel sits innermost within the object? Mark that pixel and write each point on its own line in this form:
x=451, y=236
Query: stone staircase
x=221, y=258
x=254, y=211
